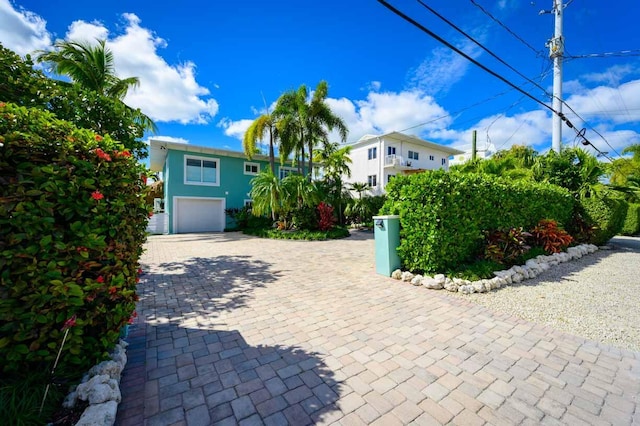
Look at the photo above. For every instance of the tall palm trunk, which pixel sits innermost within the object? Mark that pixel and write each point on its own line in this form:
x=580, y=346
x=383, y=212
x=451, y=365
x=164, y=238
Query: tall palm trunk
x=272, y=160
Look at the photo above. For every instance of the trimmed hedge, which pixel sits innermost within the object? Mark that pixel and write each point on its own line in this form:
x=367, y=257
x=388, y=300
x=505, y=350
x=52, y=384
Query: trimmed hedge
x=607, y=214
x=444, y=215
x=632, y=221
x=72, y=223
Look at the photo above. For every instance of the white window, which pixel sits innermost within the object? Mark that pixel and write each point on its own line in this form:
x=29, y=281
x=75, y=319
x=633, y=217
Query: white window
x=201, y=171
x=372, y=153
x=286, y=171
x=391, y=150
x=413, y=155
x=432, y=158
x=248, y=203
x=444, y=161
x=372, y=180
x=251, y=168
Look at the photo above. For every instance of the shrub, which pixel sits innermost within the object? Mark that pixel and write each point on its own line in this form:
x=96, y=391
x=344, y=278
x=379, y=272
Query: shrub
x=72, y=223
x=444, y=215
x=332, y=234
x=327, y=220
x=549, y=236
x=305, y=217
x=607, y=214
x=240, y=217
x=504, y=246
x=632, y=221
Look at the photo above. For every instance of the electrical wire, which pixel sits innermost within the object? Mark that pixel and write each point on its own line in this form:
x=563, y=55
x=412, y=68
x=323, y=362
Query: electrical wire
x=427, y=31
x=497, y=21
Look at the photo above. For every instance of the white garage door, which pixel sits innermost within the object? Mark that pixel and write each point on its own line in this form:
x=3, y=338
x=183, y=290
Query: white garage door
x=199, y=215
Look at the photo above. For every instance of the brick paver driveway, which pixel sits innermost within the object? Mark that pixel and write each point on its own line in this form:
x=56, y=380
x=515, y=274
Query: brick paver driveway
x=239, y=330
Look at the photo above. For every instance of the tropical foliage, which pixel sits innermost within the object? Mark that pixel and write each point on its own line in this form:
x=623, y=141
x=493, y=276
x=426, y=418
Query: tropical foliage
x=91, y=66
x=23, y=85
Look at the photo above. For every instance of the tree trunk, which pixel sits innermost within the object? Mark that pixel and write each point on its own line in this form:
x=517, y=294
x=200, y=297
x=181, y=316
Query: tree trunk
x=310, y=171
x=272, y=161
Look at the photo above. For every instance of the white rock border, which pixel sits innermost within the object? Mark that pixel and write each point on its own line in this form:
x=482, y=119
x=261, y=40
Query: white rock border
x=515, y=274
x=101, y=388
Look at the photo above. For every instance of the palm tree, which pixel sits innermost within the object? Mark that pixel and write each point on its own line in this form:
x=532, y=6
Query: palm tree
x=266, y=193
x=256, y=131
x=92, y=67
x=304, y=123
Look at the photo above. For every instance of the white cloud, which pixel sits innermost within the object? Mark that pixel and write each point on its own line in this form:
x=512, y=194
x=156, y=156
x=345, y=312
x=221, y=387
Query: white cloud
x=87, y=32
x=235, y=129
x=611, y=76
x=389, y=111
x=170, y=139
x=167, y=92
x=444, y=67
x=617, y=104
x=21, y=30
x=530, y=128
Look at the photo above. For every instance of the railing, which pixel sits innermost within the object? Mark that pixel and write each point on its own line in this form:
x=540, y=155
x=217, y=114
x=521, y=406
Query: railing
x=396, y=160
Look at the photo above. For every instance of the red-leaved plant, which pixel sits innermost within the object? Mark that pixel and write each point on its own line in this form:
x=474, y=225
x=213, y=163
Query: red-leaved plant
x=549, y=236
x=505, y=246
x=326, y=217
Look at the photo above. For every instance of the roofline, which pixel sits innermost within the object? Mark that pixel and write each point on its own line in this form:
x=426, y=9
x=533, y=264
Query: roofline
x=409, y=138
x=202, y=149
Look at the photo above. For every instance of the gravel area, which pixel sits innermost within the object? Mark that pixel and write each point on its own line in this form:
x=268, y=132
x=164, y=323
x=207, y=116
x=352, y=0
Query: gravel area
x=596, y=297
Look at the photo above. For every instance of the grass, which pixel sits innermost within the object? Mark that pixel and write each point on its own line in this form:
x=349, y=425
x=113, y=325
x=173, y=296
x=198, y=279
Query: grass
x=21, y=396
x=333, y=234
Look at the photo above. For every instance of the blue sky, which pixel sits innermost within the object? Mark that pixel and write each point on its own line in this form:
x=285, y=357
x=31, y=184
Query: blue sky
x=207, y=68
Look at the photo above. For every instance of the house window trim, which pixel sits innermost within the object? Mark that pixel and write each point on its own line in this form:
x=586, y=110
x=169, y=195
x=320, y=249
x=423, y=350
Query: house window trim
x=390, y=149
x=250, y=163
x=444, y=162
x=372, y=153
x=373, y=178
x=413, y=155
x=196, y=157
x=247, y=201
x=432, y=158
x=290, y=169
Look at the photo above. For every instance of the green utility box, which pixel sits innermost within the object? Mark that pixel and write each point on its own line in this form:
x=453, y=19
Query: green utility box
x=387, y=240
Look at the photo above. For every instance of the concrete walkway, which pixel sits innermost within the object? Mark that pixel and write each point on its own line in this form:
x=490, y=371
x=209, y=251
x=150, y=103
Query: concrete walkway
x=240, y=330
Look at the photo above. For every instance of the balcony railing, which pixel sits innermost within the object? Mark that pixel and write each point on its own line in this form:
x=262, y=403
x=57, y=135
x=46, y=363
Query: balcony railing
x=396, y=161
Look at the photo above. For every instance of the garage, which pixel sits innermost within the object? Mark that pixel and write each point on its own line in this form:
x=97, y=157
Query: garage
x=198, y=215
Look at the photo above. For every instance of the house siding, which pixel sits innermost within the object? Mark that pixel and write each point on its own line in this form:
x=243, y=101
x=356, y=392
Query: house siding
x=234, y=185
x=362, y=167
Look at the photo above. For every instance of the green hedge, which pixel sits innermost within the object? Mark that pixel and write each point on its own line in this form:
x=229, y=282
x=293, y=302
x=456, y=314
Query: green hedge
x=607, y=214
x=632, y=221
x=72, y=223
x=443, y=214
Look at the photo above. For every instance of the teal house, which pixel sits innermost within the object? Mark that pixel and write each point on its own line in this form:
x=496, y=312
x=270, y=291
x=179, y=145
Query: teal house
x=200, y=183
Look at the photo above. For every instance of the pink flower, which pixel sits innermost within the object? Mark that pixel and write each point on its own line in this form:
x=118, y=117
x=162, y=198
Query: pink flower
x=100, y=279
x=97, y=195
x=99, y=138
x=69, y=323
x=137, y=279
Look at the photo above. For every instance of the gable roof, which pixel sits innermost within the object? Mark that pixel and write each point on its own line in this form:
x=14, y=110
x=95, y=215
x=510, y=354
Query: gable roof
x=402, y=137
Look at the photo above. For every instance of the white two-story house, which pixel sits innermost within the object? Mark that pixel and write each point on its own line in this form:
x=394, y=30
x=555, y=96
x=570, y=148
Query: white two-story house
x=377, y=159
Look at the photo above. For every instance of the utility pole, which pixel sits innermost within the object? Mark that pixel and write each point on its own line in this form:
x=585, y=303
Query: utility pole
x=556, y=53
x=473, y=145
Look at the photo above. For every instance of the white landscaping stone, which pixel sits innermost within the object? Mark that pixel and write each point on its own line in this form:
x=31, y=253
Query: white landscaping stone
x=99, y=415
x=407, y=276
x=99, y=389
x=440, y=278
x=397, y=274
x=110, y=368
x=417, y=280
x=432, y=284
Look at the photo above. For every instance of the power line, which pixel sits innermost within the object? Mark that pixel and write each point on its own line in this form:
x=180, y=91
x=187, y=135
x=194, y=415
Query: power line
x=427, y=31
x=497, y=21
x=469, y=37
x=621, y=53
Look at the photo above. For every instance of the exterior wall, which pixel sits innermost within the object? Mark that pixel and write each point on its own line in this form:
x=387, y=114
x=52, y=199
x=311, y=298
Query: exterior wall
x=362, y=167
x=234, y=184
